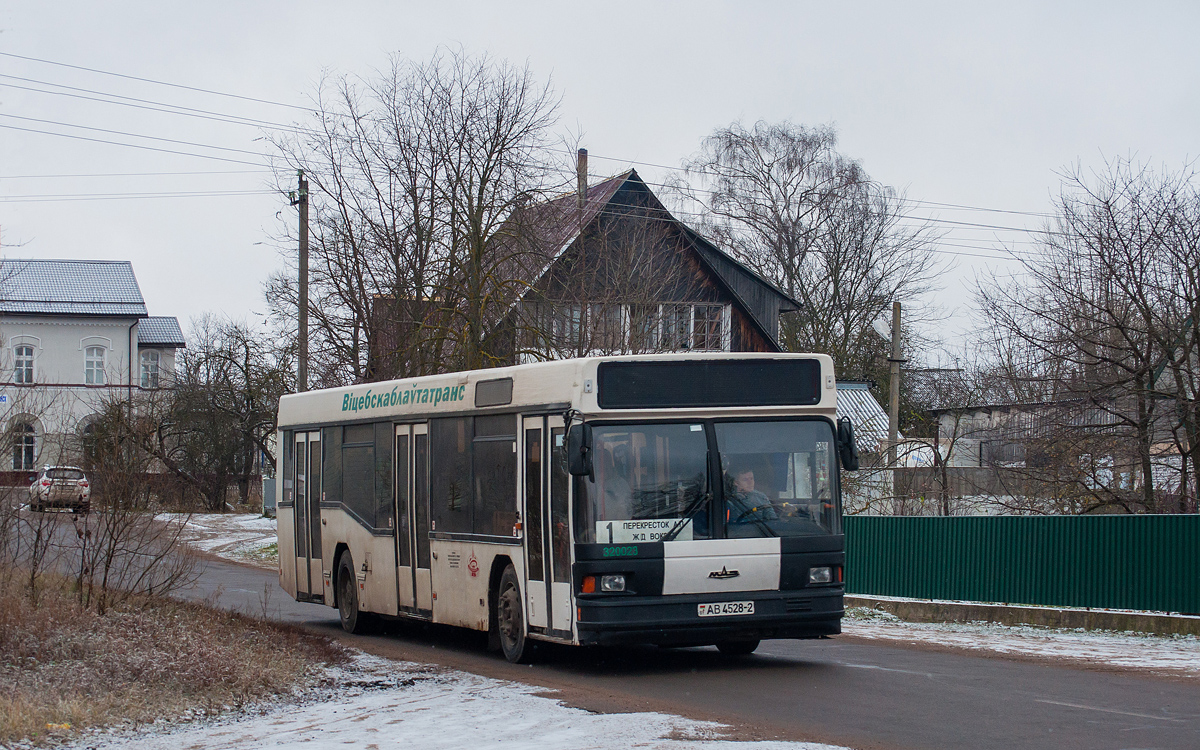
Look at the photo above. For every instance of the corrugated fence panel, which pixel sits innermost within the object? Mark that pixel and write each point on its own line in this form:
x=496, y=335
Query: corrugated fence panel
x=1125, y=562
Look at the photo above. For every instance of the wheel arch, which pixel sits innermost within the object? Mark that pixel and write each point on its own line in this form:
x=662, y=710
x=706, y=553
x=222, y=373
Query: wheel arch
x=339, y=549
x=499, y=564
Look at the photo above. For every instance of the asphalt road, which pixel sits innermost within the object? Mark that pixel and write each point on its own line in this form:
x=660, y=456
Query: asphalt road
x=845, y=691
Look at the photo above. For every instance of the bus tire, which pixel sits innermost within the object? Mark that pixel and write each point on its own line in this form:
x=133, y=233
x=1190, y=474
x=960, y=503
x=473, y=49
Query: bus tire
x=510, y=618
x=737, y=648
x=353, y=619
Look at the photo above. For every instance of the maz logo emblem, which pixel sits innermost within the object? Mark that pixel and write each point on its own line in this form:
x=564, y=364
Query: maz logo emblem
x=723, y=573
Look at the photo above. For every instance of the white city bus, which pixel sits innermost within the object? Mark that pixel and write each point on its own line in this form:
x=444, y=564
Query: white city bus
x=676, y=499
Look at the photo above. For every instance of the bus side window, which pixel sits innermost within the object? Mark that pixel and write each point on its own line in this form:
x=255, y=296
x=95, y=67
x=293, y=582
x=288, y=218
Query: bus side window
x=495, y=469
x=384, y=504
x=559, y=528
x=533, y=503
x=358, y=471
x=450, y=474
x=289, y=467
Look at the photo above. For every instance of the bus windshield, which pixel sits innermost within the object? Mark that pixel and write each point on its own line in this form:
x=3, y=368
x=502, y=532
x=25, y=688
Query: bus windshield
x=651, y=481
x=777, y=478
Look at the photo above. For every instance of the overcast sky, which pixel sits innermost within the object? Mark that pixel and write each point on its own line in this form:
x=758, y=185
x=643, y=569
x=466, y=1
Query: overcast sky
x=953, y=103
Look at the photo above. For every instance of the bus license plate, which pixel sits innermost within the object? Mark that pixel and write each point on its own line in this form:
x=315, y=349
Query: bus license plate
x=720, y=609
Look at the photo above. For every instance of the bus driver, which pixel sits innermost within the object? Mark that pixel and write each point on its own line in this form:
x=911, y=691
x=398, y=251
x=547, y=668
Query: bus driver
x=746, y=503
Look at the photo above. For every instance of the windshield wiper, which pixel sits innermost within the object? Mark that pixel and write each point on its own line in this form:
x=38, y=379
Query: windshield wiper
x=687, y=516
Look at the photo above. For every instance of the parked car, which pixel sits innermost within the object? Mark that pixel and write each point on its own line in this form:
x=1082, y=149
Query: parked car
x=60, y=487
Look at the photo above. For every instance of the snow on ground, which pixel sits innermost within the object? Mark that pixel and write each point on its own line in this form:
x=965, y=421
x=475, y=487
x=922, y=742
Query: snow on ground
x=1177, y=655
x=382, y=704
x=379, y=704
x=240, y=537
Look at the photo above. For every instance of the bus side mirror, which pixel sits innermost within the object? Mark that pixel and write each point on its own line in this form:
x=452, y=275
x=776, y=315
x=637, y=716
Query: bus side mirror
x=847, y=449
x=579, y=450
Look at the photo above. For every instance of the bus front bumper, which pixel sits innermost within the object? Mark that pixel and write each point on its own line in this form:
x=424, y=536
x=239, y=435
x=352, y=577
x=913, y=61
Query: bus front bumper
x=674, y=620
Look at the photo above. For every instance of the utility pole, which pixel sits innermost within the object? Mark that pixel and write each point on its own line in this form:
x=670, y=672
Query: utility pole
x=894, y=400
x=300, y=198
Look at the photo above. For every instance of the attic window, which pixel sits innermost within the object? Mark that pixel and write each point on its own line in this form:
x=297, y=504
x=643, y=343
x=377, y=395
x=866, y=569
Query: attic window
x=569, y=328
x=686, y=327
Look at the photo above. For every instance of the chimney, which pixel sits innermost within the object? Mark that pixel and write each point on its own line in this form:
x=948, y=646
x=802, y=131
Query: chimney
x=581, y=172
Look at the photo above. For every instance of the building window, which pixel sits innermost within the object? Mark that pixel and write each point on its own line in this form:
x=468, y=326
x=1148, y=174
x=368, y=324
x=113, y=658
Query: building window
x=566, y=326
x=676, y=327
x=93, y=366
x=23, y=446
x=607, y=324
x=150, y=369
x=612, y=327
x=682, y=327
x=91, y=445
x=708, y=328
x=23, y=364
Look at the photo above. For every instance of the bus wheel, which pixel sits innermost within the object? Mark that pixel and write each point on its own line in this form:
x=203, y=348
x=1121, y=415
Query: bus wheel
x=353, y=620
x=510, y=618
x=737, y=648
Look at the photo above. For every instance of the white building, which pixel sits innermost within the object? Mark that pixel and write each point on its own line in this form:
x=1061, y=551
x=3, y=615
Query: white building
x=73, y=334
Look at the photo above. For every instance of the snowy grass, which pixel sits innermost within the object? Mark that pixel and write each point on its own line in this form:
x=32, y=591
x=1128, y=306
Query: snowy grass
x=64, y=667
x=1175, y=655
x=377, y=703
x=240, y=537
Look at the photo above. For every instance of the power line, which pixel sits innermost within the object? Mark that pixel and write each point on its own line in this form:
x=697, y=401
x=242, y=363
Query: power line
x=236, y=119
x=136, y=103
x=128, y=134
x=151, y=80
x=134, y=145
x=133, y=174
x=936, y=220
x=960, y=207
x=54, y=198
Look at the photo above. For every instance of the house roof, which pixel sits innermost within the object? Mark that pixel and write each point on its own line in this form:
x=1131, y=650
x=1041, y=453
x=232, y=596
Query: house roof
x=160, y=331
x=70, y=287
x=854, y=400
x=544, y=231
x=552, y=227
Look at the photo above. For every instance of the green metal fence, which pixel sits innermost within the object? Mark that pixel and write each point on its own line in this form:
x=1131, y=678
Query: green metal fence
x=1125, y=562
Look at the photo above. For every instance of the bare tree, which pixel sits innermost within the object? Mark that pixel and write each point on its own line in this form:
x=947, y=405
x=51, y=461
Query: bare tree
x=120, y=548
x=783, y=199
x=413, y=172
x=213, y=427
x=1106, y=314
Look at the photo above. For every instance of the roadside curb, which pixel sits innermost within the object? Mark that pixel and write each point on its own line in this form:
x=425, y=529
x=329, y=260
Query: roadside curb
x=925, y=610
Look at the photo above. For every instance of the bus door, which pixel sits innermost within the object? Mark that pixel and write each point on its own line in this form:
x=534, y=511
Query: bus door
x=405, y=480
x=307, y=471
x=547, y=527
x=415, y=586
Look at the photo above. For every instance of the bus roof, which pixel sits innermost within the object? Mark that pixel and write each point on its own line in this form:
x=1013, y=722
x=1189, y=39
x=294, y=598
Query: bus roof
x=554, y=385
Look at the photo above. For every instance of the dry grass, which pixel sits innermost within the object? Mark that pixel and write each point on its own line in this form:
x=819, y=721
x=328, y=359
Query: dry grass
x=64, y=668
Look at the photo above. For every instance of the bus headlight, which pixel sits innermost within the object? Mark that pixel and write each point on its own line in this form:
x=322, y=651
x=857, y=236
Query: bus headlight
x=820, y=575
x=612, y=583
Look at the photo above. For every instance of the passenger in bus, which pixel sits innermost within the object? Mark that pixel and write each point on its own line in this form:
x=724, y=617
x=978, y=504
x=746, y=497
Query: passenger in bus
x=746, y=504
x=618, y=495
